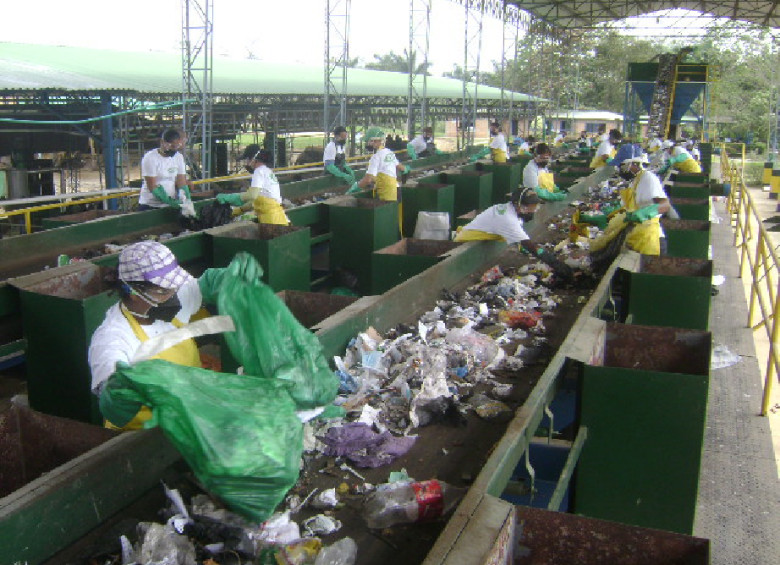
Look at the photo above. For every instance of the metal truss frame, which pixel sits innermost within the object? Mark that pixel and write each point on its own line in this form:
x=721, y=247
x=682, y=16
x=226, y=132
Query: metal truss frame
x=472, y=36
x=197, y=52
x=419, y=37
x=336, y=61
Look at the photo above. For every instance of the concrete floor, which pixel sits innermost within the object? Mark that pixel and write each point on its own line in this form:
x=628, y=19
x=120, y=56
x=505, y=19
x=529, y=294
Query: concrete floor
x=739, y=490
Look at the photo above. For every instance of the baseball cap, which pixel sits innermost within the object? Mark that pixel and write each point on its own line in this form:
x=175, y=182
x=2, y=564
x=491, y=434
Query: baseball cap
x=151, y=262
x=250, y=151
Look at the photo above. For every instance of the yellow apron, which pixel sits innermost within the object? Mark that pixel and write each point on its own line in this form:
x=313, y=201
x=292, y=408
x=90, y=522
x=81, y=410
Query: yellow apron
x=498, y=155
x=599, y=161
x=269, y=211
x=476, y=235
x=645, y=238
x=688, y=166
x=386, y=187
x=546, y=181
x=184, y=353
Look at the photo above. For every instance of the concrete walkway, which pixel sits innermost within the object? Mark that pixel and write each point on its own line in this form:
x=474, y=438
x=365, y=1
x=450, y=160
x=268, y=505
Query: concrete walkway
x=739, y=493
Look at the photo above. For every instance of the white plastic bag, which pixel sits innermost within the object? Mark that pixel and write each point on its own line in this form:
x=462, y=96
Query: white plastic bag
x=432, y=225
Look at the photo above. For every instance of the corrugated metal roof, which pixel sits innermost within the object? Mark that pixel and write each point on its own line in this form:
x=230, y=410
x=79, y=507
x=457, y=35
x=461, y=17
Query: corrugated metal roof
x=586, y=115
x=39, y=67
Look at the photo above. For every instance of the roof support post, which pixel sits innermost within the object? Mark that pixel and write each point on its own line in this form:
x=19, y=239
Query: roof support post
x=419, y=36
x=472, y=46
x=197, y=58
x=336, y=60
x=511, y=35
x=108, y=144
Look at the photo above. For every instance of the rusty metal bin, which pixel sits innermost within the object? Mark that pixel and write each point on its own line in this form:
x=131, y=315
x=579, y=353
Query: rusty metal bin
x=33, y=443
x=311, y=308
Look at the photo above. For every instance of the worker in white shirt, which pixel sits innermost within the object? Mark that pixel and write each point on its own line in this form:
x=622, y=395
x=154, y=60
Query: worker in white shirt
x=538, y=177
x=682, y=161
x=584, y=142
x=645, y=202
x=383, y=167
x=497, y=148
x=504, y=222
x=526, y=147
x=264, y=195
x=335, y=160
x=422, y=145
x=559, y=139
x=165, y=175
x=606, y=149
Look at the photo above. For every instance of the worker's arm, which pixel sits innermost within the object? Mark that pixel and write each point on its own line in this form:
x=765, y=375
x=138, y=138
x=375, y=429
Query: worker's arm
x=559, y=267
x=477, y=156
x=366, y=181
x=159, y=192
x=338, y=173
x=410, y=151
x=659, y=206
x=549, y=196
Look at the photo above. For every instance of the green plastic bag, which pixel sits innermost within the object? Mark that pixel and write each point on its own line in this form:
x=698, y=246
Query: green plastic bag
x=269, y=342
x=239, y=434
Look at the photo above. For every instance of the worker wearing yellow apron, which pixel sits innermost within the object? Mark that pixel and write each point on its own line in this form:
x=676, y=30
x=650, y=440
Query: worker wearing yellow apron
x=537, y=176
x=498, y=149
x=504, y=222
x=645, y=201
x=683, y=161
x=158, y=296
x=606, y=150
x=383, y=169
x=264, y=196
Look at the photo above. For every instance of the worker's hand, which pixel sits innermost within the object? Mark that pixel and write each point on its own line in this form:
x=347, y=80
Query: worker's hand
x=561, y=269
x=246, y=268
x=186, y=190
x=353, y=189
x=118, y=403
x=411, y=152
x=407, y=169
x=162, y=196
x=549, y=196
x=233, y=199
x=643, y=214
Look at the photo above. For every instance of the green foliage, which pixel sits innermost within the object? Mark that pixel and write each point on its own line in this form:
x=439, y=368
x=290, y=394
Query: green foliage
x=398, y=63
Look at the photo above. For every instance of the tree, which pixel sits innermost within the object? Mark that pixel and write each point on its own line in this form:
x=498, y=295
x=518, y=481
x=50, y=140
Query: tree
x=398, y=63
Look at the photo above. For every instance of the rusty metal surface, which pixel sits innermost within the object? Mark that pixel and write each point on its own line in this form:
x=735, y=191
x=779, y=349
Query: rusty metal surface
x=675, y=266
x=691, y=201
x=690, y=225
x=555, y=538
x=359, y=203
x=258, y=231
x=77, y=285
x=420, y=247
x=310, y=308
x=429, y=185
x=671, y=350
x=32, y=443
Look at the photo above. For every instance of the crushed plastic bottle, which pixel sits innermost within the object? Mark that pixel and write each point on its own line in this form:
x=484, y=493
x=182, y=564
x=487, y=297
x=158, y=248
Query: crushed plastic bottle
x=342, y=552
x=409, y=502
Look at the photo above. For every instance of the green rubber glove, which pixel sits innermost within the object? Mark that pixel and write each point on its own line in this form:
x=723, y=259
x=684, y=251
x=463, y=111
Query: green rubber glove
x=598, y=220
x=411, y=152
x=559, y=267
x=186, y=190
x=163, y=197
x=407, y=169
x=608, y=209
x=336, y=172
x=549, y=196
x=233, y=199
x=353, y=189
x=477, y=156
x=643, y=214
x=118, y=403
x=439, y=152
x=350, y=172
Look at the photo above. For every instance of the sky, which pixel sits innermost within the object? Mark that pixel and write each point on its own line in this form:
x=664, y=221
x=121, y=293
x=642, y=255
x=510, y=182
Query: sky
x=290, y=31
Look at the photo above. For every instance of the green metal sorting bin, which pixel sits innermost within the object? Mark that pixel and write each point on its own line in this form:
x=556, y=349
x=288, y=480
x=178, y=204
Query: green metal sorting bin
x=645, y=408
x=689, y=190
x=61, y=309
x=403, y=260
x=426, y=197
x=473, y=189
x=692, y=208
x=284, y=252
x=690, y=177
x=311, y=308
x=506, y=178
x=79, y=218
x=687, y=238
x=671, y=291
x=360, y=226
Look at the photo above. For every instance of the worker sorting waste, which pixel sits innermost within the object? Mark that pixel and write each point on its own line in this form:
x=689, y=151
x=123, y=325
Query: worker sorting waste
x=681, y=160
x=165, y=175
x=606, y=149
x=537, y=176
x=422, y=145
x=335, y=159
x=497, y=148
x=504, y=222
x=264, y=195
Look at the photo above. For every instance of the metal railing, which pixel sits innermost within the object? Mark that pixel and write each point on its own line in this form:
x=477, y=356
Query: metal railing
x=758, y=256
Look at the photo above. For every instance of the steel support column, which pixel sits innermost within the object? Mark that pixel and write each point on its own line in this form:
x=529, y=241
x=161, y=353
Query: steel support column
x=511, y=34
x=197, y=84
x=472, y=46
x=336, y=61
x=419, y=36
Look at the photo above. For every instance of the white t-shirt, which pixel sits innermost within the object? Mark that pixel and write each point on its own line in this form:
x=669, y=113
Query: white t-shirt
x=558, y=138
x=649, y=187
x=264, y=180
x=605, y=148
x=419, y=144
x=498, y=142
x=331, y=150
x=655, y=143
x=500, y=219
x=383, y=161
x=677, y=151
x=115, y=341
x=525, y=147
x=604, y=137
x=585, y=140
x=531, y=174
x=165, y=170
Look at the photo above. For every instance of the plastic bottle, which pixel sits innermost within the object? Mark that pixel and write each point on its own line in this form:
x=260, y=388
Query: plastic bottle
x=407, y=502
x=343, y=552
